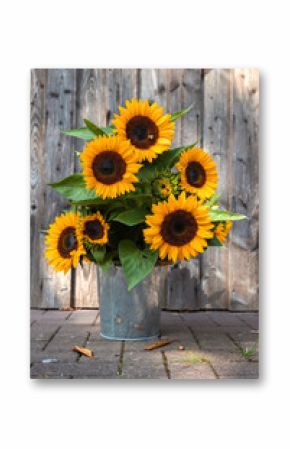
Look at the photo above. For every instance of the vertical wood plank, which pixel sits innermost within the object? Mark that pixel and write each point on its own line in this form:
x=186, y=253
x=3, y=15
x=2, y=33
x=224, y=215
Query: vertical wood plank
x=153, y=85
x=37, y=135
x=184, y=277
x=56, y=161
x=90, y=105
x=119, y=85
x=214, y=284
x=243, y=282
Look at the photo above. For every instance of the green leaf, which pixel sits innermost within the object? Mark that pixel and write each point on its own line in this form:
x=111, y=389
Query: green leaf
x=98, y=253
x=106, y=263
x=169, y=158
x=97, y=130
x=73, y=188
x=80, y=133
x=224, y=215
x=165, y=161
x=137, y=264
x=109, y=130
x=96, y=201
x=90, y=132
x=177, y=115
x=213, y=200
x=214, y=242
x=131, y=217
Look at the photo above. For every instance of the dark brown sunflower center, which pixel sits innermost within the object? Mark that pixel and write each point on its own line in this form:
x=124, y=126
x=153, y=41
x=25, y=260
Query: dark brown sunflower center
x=94, y=229
x=178, y=228
x=67, y=242
x=195, y=174
x=109, y=167
x=142, y=132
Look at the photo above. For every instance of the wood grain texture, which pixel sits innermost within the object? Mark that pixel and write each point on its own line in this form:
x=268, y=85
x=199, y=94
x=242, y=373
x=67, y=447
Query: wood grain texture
x=37, y=183
x=57, y=160
x=243, y=260
x=216, y=128
x=186, y=88
x=90, y=101
x=224, y=119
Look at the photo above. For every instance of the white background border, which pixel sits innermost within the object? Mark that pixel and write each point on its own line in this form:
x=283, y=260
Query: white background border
x=139, y=414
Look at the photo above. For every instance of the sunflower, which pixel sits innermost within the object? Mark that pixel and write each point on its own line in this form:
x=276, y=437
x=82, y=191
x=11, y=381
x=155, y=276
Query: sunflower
x=63, y=248
x=179, y=228
x=198, y=173
x=93, y=229
x=145, y=127
x=109, y=166
x=222, y=230
x=164, y=187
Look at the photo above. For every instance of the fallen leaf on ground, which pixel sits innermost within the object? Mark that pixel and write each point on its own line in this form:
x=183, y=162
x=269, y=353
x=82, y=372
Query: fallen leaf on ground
x=84, y=351
x=159, y=344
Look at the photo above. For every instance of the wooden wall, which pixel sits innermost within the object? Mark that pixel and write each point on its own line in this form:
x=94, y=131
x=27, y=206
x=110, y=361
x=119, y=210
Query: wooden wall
x=224, y=119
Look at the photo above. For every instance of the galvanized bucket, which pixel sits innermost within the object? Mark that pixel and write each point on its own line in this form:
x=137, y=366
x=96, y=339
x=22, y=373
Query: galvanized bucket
x=133, y=315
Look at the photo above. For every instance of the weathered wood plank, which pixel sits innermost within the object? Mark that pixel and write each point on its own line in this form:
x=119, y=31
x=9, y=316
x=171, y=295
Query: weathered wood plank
x=90, y=105
x=184, y=277
x=37, y=135
x=100, y=92
x=153, y=84
x=214, y=284
x=57, y=161
x=243, y=281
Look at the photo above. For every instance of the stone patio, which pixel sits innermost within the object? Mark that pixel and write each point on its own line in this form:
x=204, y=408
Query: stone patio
x=207, y=345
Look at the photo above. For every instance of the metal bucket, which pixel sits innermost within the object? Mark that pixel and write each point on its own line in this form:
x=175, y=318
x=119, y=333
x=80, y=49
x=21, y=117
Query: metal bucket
x=133, y=315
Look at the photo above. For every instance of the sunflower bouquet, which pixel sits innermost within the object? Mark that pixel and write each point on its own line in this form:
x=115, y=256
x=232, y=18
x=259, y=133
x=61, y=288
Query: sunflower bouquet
x=137, y=202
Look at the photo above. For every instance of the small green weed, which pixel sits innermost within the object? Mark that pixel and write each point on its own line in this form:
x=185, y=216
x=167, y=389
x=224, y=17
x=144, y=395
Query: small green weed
x=248, y=353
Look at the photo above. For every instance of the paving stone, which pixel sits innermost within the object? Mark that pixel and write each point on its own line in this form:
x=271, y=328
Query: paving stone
x=55, y=315
x=75, y=330
x=105, y=347
x=251, y=319
x=64, y=344
x=143, y=372
x=223, y=356
x=175, y=330
x=217, y=341
x=143, y=365
x=37, y=345
x=218, y=330
x=36, y=314
x=170, y=317
x=245, y=340
x=196, y=371
x=84, y=317
x=188, y=364
x=237, y=370
x=41, y=371
x=75, y=370
x=226, y=319
x=102, y=367
x=54, y=356
x=198, y=320
x=43, y=330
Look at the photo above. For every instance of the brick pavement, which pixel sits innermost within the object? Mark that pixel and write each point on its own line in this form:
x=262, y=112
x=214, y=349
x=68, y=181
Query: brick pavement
x=217, y=345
